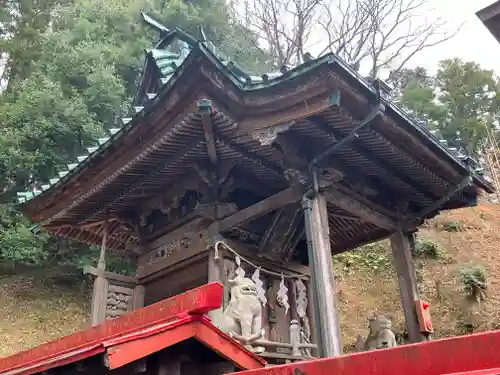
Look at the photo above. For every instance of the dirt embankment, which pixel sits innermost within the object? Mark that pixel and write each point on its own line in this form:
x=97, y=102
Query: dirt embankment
x=464, y=237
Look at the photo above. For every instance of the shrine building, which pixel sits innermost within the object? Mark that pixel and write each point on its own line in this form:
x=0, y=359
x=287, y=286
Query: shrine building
x=219, y=175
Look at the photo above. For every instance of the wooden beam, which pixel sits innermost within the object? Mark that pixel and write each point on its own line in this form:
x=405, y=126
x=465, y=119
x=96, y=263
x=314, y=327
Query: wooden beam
x=138, y=297
x=204, y=107
x=353, y=206
x=283, y=198
x=361, y=150
x=115, y=277
x=299, y=111
x=401, y=251
x=254, y=158
x=101, y=284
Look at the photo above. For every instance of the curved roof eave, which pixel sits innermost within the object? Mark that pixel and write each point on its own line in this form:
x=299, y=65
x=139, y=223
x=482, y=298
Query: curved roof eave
x=200, y=49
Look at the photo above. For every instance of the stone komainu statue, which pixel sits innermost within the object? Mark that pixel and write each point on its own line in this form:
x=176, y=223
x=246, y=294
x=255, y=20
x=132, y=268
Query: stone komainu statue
x=242, y=318
x=380, y=335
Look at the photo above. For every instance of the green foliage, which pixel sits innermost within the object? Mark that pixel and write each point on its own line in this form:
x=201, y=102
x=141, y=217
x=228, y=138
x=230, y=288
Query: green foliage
x=474, y=280
x=453, y=226
x=17, y=241
x=468, y=92
x=427, y=249
x=372, y=256
x=72, y=68
x=461, y=101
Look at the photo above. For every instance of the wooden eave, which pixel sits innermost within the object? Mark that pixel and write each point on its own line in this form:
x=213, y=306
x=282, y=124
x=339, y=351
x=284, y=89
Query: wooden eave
x=490, y=17
x=395, y=157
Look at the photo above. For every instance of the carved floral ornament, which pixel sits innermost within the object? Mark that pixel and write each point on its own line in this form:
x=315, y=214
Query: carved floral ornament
x=267, y=135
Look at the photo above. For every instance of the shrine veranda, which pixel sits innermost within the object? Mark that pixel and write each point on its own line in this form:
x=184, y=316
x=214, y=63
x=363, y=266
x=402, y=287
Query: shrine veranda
x=216, y=173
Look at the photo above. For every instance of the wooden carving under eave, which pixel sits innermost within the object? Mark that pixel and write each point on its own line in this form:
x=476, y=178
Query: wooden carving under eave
x=198, y=191
x=295, y=160
x=283, y=234
x=217, y=180
x=173, y=248
x=151, y=222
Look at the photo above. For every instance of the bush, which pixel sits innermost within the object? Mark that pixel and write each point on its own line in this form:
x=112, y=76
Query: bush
x=474, y=281
x=453, y=226
x=427, y=249
x=372, y=256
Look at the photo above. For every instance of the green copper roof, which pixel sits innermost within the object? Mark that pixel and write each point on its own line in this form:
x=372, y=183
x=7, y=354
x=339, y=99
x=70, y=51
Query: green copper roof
x=170, y=53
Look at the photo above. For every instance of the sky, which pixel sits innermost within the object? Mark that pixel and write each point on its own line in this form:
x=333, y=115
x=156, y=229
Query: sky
x=473, y=43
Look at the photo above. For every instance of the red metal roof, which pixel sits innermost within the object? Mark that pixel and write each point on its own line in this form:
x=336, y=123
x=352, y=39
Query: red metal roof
x=158, y=326
x=471, y=355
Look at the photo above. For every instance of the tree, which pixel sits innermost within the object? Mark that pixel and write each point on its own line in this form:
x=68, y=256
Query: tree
x=469, y=94
x=72, y=70
x=384, y=34
x=415, y=90
x=283, y=27
x=461, y=101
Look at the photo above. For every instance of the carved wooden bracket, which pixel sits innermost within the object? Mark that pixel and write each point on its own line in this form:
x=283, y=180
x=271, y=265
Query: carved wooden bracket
x=295, y=161
x=268, y=135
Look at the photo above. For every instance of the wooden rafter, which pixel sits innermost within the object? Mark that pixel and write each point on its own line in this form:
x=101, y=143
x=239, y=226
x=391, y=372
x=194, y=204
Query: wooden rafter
x=128, y=189
x=355, y=207
x=224, y=141
x=345, y=217
x=342, y=246
x=296, y=156
x=361, y=150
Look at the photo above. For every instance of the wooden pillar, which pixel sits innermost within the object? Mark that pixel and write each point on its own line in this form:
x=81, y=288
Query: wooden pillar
x=322, y=278
x=401, y=251
x=100, y=291
x=215, y=272
x=138, y=297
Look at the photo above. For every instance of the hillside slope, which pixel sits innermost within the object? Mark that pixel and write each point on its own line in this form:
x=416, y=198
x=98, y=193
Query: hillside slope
x=463, y=237
x=35, y=309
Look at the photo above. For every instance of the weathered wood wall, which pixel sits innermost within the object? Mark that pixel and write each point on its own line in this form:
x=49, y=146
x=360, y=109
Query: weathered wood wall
x=167, y=251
